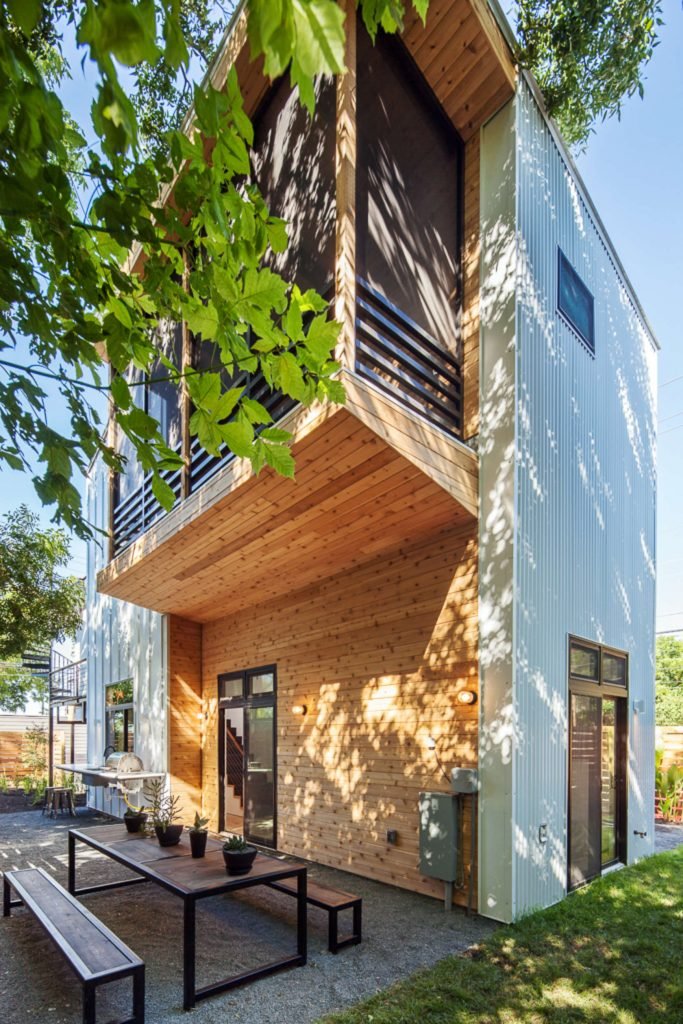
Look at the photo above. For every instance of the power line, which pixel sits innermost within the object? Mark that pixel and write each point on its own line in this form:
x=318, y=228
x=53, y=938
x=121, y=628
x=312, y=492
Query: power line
x=670, y=430
x=672, y=381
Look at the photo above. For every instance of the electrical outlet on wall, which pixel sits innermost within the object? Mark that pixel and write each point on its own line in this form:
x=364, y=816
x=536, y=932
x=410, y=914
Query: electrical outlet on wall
x=543, y=833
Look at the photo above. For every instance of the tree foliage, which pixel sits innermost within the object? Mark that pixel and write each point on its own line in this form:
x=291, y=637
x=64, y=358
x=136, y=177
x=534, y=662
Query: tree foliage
x=37, y=603
x=18, y=686
x=71, y=212
x=669, y=675
x=587, y=55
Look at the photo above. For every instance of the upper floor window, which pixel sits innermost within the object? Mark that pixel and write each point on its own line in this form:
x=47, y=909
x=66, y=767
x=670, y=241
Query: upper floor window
x=120, y=716
x=575, y=302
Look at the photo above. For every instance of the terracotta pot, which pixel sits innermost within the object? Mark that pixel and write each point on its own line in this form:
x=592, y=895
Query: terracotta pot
x=238, y=862
x=169, y=836
x=198, y=843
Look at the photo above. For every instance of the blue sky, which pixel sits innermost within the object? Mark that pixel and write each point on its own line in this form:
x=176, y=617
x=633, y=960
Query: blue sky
x=634, y=171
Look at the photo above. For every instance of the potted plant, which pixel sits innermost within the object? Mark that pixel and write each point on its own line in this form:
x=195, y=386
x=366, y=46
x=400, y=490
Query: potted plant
x=199, y=833
x=165, y=810
x=134, y=817
x=238, y=855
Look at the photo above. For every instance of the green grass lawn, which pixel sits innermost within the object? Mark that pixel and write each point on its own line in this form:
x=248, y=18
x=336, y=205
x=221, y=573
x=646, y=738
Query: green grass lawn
x=612, y=952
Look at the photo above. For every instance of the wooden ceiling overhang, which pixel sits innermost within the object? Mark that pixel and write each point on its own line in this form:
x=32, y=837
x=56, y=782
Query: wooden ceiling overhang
x=369, y=480
x=465, y=58
x=461, y=52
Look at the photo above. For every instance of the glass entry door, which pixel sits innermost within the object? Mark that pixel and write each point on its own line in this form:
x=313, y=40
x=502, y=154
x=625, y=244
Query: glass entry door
x=596, y=785
x=247, y=755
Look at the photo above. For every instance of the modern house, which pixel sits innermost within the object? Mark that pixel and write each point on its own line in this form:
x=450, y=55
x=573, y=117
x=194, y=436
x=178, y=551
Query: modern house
x=463, y=572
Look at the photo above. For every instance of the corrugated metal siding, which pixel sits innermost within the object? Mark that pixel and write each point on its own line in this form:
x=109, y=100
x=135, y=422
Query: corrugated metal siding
x=585, y=531
x=121, y=641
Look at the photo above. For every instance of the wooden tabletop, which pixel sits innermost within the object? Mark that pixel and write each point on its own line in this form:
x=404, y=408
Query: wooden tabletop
x=174, y=868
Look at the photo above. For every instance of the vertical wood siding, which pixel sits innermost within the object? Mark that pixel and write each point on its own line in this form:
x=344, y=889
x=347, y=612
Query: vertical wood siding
x=378, y=655
x=585, y=530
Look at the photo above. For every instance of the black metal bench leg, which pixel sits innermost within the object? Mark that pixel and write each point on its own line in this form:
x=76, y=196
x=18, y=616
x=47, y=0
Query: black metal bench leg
x=358, y=922
x=189, y=953
x=332, y=931
x=139, y=996
x=6, y=900
x=89, y=1003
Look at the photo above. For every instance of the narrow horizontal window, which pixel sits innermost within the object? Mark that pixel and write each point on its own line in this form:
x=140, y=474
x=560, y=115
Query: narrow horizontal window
x=575, y=302
x=613, y=669
x=584, y=662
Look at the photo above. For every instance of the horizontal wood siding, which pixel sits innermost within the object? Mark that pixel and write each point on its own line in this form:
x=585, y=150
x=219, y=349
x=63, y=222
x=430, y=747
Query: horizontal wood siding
x=377, y=654
x=185, y=713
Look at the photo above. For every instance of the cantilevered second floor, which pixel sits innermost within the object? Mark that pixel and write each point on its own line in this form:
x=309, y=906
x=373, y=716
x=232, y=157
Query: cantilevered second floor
x=381, y=194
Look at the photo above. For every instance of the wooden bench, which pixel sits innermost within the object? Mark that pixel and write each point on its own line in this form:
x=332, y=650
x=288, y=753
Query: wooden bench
x=93, y=952
x=333, y=901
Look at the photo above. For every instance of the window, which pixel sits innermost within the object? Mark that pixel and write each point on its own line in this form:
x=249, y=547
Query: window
x=575, y=302
x=120, y=716
x=593, y=668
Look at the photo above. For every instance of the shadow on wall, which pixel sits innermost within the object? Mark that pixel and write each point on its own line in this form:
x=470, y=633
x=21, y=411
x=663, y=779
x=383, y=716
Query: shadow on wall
x=378, y=655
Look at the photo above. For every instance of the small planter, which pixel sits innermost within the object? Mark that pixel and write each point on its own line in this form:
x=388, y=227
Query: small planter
x=238, y=862
x=134, y=822
x=169, y=836
x=198, y=843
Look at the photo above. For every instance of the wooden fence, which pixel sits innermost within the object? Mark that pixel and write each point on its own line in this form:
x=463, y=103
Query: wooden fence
x=670, y=740
x=13, y=729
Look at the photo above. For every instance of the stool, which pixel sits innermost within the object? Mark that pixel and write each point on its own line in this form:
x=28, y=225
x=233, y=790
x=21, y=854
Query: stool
x=59, y=798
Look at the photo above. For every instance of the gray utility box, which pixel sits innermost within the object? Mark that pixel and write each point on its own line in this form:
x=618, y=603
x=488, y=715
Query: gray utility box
x=439, y=835
x=464, y=780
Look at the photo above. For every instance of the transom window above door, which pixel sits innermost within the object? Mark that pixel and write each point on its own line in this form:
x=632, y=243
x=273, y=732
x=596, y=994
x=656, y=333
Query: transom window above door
x=595, y=665
x=258, y=682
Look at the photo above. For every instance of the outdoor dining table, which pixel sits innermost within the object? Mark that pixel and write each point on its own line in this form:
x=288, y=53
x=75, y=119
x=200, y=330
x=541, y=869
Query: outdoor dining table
x=192, y=880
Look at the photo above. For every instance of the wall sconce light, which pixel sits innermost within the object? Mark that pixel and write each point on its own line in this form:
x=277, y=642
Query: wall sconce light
x=639, y=707
x=431, y=743
x=466, y=697
x=299, y=709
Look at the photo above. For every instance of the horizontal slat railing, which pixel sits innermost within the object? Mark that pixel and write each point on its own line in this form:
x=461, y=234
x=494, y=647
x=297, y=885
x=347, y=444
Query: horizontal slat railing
x=140, y=510
x=203, y=465
x=401, y=357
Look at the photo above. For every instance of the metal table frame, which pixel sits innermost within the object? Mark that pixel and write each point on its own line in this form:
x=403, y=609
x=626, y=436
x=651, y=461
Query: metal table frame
x=266, y=869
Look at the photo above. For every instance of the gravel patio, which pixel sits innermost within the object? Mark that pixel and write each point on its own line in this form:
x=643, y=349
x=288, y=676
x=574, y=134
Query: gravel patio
x=402, y=932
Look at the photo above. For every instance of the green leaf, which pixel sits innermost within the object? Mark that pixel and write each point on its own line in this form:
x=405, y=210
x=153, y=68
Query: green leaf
x=255, y=412
x=321, y=338
x=25, y=13
x=280, y=459
x=120, y=392
x=162, y=492
x=276, y=434
x=319, y=26
x=239, y=436
x=226, y=403
x=204, y=389
x=127, y=31
x=202, y=320
x=290, y=376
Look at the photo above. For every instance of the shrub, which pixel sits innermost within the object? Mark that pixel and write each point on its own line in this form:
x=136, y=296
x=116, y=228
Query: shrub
x=669, y=704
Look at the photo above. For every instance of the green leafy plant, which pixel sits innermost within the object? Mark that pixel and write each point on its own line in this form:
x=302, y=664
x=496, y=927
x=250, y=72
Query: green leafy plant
x=668, y=788
x=236, y=844
x=39, y=787
x=164, y=807
x=34, y=755
x=200, y=824
x=4, y=783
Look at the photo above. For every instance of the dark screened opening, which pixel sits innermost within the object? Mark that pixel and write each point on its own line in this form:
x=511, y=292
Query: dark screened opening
x=575, y=302
x=293, y=160
x=408, y=191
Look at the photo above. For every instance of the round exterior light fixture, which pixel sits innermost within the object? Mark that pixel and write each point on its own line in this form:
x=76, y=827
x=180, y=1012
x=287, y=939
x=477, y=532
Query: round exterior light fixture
x=466, y=697
x=299, y=709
